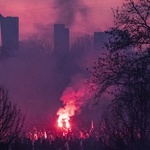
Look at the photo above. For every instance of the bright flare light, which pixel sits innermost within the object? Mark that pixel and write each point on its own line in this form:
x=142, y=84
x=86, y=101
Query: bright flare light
x=63, y=121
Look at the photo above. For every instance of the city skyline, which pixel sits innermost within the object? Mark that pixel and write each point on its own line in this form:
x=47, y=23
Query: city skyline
x=75, y=74
x=61, y=37
x=41, y=79
x=39, y=16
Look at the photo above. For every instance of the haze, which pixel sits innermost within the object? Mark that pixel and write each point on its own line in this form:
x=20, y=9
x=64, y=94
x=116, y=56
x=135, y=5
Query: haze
x=36, y=81
x=81, y=15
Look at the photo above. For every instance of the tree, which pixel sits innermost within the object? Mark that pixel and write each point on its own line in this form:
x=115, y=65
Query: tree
x=131, y=26
x=11, y=119
x=126, y=76
x=81, y=45
x=37, y=44
x=124, y=72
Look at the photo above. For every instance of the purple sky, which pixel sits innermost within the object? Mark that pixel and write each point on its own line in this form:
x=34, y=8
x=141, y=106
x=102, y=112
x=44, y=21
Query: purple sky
x=81, y=15
x=35, y=81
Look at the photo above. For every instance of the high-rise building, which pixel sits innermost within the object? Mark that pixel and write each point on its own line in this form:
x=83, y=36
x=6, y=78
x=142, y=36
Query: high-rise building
x=61, y=39
x=9, y=34
x=99, y=39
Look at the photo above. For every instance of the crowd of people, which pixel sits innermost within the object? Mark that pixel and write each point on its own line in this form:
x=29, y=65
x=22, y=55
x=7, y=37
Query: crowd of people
x=59, y=143
x=66, y=141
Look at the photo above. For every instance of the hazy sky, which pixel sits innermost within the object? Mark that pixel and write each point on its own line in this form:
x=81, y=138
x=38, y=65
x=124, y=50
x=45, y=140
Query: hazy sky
x=39, y=78
x=79, y=15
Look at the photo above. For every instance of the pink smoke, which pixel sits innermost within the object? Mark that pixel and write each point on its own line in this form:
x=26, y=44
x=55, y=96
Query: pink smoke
x=75, y=97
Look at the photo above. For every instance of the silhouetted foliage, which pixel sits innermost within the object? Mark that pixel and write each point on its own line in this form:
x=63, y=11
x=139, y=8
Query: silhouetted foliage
x=123, y=71
x=81, y=45
x=126, y=77
x=131, y=25
x=36, y=44
x=11, y=119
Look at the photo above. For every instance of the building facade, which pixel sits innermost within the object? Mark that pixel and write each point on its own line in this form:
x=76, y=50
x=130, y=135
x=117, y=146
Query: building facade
x=61, y=39
x=9, y=34
x=99, y=39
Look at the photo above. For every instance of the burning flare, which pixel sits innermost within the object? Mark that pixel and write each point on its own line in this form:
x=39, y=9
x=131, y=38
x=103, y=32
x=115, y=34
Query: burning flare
x=74, y=98
x=63, y=119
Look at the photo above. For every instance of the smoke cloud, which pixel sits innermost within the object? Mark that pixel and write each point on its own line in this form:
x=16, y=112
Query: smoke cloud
x=68, y=10
x=40, y=83
x=37, y=81
x=75, y=97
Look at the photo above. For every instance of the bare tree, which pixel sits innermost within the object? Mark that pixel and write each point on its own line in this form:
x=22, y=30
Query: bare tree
x=37, y=44
x=131, y=25
x=123, y=71
x=126, y=77
x=81, y=45
x=11, y=119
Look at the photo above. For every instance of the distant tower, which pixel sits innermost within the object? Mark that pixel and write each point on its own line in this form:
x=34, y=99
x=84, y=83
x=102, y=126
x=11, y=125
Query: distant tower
x=9, y=34
x=99, y=39
x=61, y=39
